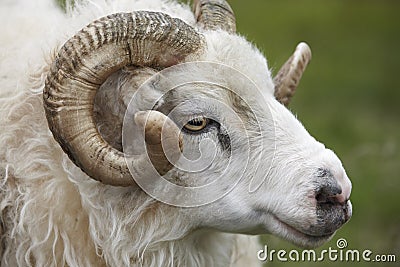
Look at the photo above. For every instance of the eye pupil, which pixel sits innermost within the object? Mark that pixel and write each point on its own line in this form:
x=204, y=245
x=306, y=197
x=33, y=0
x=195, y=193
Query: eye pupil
x=196, y=124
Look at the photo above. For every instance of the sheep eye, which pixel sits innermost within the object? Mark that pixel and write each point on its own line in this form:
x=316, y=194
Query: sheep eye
x=196, y=124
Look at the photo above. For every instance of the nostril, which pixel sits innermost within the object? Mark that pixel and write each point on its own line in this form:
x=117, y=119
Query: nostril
x=328, y=194
x=328, y=190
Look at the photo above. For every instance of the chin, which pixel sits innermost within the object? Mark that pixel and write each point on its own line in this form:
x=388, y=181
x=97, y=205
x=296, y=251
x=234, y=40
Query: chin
x=298, y=237
x=304, y=234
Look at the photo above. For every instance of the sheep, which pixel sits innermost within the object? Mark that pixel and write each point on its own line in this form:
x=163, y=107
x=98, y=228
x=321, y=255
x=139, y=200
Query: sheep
x=148, y=98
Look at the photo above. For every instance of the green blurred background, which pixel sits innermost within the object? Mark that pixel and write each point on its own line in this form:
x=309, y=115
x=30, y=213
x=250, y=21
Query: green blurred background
x=349, y=99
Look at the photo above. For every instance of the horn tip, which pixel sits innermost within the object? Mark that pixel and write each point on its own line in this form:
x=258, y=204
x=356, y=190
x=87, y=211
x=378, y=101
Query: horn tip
x=304, y=49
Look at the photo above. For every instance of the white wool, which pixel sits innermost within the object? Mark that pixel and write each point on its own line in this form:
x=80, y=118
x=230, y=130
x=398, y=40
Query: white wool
x=53, y=214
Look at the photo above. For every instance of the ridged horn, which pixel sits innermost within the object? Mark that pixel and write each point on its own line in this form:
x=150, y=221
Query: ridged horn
x=214, y=15
x=288, y=77
x=83, y=64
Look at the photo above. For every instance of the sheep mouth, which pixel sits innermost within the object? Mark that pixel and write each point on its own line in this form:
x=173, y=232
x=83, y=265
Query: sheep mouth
x=299, y=236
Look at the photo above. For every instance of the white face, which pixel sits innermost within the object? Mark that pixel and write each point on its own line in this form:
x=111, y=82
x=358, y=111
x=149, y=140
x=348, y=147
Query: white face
x=303, y=198
x=267, y=174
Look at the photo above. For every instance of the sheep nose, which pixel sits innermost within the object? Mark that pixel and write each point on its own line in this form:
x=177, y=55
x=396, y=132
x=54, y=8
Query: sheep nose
x=333, y=207
x=331, y=198
x=329, y=194
x=332, y=190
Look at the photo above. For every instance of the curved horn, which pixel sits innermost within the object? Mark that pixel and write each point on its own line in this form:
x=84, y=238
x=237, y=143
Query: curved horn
x=215, y=14
x=288, y=77
x=84, y=63
x=153, y=124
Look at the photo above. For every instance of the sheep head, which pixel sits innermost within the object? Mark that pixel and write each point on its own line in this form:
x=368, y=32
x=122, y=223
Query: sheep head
x=208, y=110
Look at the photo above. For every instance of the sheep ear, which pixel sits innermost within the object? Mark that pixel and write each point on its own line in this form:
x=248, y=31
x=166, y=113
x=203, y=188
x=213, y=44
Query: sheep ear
x=288, y=77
